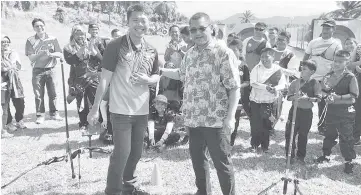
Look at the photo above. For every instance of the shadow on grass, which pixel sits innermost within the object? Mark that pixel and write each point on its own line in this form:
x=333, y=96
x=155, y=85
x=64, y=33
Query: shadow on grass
x=38, y=132
x=32, y=117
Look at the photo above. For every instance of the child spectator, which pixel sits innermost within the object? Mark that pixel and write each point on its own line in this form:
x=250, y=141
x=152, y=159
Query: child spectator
x=309, y=91
x=160, y=124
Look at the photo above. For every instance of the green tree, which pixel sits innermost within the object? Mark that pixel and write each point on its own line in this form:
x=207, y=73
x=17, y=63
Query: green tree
x=348, y=9
x=247, y=16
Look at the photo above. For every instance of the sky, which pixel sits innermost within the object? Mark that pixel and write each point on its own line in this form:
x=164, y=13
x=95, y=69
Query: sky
x=219, y=10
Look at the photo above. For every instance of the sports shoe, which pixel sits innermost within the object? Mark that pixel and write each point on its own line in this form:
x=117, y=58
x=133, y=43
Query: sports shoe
x=56, y=117
x=10, y=127
x=21, y=124
x=185, y=140
x=5, y=134
x=348, y=168
x=322, y=159
x=40, y=119
x=84, y=131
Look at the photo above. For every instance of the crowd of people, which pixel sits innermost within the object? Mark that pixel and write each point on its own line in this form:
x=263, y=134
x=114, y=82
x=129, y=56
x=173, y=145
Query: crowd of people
x=205, y=84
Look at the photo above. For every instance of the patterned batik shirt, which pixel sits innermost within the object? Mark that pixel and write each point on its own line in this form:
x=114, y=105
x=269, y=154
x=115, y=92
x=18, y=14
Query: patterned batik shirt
x=208, y=75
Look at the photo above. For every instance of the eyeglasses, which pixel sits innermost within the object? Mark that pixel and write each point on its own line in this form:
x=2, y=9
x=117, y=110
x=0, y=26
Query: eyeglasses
x=201, y=29
x=3, y=42
x=259, y=29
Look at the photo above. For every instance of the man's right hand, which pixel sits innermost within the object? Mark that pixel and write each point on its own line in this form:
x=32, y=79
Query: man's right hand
x=152, y=141
x=93, y=116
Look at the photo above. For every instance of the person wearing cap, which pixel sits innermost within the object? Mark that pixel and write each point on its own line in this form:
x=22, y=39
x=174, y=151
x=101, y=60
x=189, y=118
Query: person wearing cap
x=211, y=94
x=341, y=89
x=93, y=30
x=322, y=50
x=253, y=46
x=267, y=81
x=129, y=66
x=160, y=124
x=84, y=59
x=43, y=51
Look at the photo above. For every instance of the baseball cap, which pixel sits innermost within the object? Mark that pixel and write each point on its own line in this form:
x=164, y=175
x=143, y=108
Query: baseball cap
x=330, y=23
x=161, y=98
x=93, y=26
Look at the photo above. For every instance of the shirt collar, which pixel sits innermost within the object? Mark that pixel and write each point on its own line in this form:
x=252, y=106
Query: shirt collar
x=210, y=46
x=37, y=37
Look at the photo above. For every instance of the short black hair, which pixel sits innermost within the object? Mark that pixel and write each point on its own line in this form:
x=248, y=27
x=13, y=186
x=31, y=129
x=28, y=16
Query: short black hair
x=6, y=37
x=185, y=31
x=173, y=26
x=352, y=40
x=134, y=8
x=343, y=53
x=311, y=64
x=200, y=15
x=35, y=20
x=267, y=49
x=274, y=28
x=285, y=34
x=262, y=24
x=114, y=31
x=236, y=42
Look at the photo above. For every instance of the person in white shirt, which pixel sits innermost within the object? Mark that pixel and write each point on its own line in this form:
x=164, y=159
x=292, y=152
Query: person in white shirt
x=267, y=80
x=322, y=51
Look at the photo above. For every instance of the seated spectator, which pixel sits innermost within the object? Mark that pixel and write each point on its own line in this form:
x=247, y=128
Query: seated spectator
x=160, y=124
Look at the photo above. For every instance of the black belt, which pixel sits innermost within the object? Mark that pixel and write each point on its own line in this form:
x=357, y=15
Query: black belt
x=44, y=68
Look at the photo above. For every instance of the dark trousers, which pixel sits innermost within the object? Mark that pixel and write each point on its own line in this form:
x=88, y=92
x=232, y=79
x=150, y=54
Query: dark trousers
x=260, y=125
x=302, y=127
x=357, y=126
x=172, y=139
x=85, y=102
x=344, y=131
x=217, y=141
x=19, y=105
x=128, y=136
x=321, y=107
x=5, y=101
x=42, y=77
x=247, y=109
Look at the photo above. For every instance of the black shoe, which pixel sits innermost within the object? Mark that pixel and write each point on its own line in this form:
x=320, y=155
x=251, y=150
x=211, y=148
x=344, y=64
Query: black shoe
x=357, y=143
x=185, y=140
x=348, y=168
x=322, y=159
x=233, y=138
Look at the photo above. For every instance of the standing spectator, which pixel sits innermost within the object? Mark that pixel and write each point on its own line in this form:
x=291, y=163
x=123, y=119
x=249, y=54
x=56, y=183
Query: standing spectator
x=84, y=57
x=307, y=91
x=232, y=37
x=211, y=94
x=253, y=46
x=272, y=35
x=355, y=61
x=173, y=56
x=267, y=80
x=341, y=88
x=322, y=50
x=43, y=51
x=129, y=65
x=93, y=30
x=10, y=66
x=115, y=33
x=236, y=46
x=186, y=36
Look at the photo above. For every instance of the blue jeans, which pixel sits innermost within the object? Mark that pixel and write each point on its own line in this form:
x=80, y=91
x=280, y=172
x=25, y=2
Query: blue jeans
x=42, y=77
x=128, y=136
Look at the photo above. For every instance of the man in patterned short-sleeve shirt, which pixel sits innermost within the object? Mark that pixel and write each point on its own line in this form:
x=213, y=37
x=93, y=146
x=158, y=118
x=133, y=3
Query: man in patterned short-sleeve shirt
x=211, y=93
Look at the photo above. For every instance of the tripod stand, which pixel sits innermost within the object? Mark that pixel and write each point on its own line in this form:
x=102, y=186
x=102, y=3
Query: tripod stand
x=286, y=178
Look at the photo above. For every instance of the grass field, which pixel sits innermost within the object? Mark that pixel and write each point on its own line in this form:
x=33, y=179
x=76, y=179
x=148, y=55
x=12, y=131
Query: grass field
x=254, y=172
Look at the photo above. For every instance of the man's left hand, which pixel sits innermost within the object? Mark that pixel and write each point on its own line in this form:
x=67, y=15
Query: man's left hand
x=141, y=79
x=228, y=123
